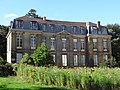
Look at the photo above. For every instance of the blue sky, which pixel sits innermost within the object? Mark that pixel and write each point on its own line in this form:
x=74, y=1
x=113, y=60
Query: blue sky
x=106, y=11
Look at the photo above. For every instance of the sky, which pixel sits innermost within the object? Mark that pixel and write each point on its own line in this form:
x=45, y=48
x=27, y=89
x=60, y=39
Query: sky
x=105, y=11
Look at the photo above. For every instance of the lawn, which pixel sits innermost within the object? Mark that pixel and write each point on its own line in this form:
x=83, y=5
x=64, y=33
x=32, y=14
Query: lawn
x=11, y=83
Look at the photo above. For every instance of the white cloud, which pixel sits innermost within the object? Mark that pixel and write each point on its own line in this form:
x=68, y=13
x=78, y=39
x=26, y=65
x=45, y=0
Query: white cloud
x=11, y=15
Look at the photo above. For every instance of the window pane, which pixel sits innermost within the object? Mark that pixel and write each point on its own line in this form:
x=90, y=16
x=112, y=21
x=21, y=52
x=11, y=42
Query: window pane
x=63, y=44
x=64, y=60
x=82, y=44
x=94, y=44
x=18, y=57
x=75, y=60
x=19, y=40
x=95, y=57
x=33, y=41
x=74, y=44
x=83, y=60
x=52, y=44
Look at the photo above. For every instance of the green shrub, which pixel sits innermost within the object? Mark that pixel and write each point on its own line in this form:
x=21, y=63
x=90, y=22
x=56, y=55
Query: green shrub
x=76, y=78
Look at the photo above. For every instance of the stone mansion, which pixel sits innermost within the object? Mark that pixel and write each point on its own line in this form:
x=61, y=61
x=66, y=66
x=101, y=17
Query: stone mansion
x=72, y=44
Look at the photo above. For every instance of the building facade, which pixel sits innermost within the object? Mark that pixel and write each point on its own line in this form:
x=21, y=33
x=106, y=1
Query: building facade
x=72, y=44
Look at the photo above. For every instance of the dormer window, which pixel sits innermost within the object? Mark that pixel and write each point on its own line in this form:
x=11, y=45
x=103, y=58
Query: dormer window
x=74, y=29
x=51, y=27
x=44, y=27
x=82, y=30
x=63, y=27
x=93, y=30
x=34, y=25
x=19, y=24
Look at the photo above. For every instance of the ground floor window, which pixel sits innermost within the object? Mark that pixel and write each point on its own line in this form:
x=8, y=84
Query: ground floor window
x=105, y=57
x=95, y=57
x=53, y=58
x=83, y=60
x=75, y=60
x=18, y=57
x=64, y=60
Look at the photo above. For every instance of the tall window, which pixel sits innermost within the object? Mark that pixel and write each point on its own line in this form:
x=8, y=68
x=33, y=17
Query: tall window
x=75, y=29
x=34, y=25
x=44, y=27
x=19, y=40
x=75, y=60
x=82, y=44
x=51, y=27
x=53, y=58
x=105, y=57
x=83, y=60
x=74, y=44
x=19, y=24
x=52, y=44
x=94, y=44
x=18, y=57
x=105, y=45
x=63, y=44
x=33, y=41
x=64, y=60
x=95, y=57
x=44, y=40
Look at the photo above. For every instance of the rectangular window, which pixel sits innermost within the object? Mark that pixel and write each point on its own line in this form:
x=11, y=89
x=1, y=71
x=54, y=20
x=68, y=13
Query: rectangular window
x=105, y=57
x=44, y=27
x=75, y=60
x=34, y=25
x=75, y=29
x=63, y=44
x=19, y=40
x=44, y=40
x=53, y=58
x=105, y=45
x=83, y=60
x=18, y=57
x=95, y=57
x=52, y=44
x=94, y=44
x=74, y=44
x=19, y=24
x=64, y=60
x=82, y=44
x=33, y=41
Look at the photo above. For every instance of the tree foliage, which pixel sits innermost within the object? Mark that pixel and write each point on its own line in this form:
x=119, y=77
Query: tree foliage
x=3, y=41
x=32, y=13
x=42, y=56
x=114, y=30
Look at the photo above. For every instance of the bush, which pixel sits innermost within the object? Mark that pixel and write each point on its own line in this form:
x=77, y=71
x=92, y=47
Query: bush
x=42, y=56
x=77, y=78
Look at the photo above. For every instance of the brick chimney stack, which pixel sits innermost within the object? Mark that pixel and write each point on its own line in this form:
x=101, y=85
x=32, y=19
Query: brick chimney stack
x=44, y=18
x=98, y=25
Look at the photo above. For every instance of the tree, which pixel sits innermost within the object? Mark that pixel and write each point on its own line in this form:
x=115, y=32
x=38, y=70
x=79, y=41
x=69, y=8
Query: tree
x=114, y=30
x=3, y=41
x=32, y=13
x=42, y=56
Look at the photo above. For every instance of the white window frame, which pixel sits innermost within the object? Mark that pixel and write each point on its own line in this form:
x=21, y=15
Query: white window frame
x=105, y=45
x=105, y=56
x=94, y=44
x=34, y=25
x=33, y=41
x=75, y=60
x=64, y=60
x=52, y=44
x=74, y=44
x=19, y=40
x=18, y=57
x=83, y=60
x=95, y=58
x=54, y=57
x=82, y=44
x=64, y=42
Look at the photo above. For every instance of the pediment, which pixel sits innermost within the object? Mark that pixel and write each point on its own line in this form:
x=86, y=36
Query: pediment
x=63, y=33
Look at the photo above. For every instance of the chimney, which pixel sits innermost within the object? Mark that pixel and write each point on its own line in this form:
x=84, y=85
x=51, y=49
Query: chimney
x=98, y=25
x=44, y=18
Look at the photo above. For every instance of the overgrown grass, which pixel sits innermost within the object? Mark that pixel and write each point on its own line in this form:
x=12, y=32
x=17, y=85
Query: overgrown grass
x=12, y=83
x=77, y=78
